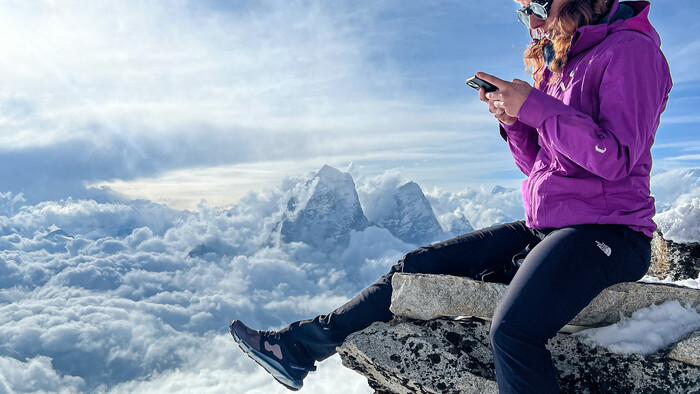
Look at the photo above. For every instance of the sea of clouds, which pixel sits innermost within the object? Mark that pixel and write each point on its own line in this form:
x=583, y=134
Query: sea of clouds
x=133, y=296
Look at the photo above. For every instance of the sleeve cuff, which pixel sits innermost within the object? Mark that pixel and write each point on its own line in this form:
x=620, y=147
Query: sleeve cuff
x=539, y=106
x=509, y=130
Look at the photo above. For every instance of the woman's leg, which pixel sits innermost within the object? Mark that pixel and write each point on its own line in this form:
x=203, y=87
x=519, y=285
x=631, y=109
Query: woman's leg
x=467, y=255
x=557, y=279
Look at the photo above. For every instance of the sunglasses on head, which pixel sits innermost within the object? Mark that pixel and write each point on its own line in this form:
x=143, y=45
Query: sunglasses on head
x=538, y=8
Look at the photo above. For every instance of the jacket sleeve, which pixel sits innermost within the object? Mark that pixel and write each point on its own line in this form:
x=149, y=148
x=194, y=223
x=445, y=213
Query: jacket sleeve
x=632, y=94
x=522, y=141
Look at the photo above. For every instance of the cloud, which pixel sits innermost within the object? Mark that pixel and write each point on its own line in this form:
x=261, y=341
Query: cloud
x=481, y=207
x=669, y=186
x=35, y=375
x=110, y=293
x=219, y=367
x=134, y=296
x=681, y=223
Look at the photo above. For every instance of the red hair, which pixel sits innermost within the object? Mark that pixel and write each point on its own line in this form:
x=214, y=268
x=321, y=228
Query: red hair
x=572, y=15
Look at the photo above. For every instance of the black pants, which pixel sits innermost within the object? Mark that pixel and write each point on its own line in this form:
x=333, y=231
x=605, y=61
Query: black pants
x=562, y=271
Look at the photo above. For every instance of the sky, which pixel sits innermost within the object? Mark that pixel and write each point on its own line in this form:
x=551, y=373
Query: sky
x=180, y=101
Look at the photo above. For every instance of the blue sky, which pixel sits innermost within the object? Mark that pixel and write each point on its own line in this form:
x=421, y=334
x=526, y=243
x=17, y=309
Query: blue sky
x=189, y=100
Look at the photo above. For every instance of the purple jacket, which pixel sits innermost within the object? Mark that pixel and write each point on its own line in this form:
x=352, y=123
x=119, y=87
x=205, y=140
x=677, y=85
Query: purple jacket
x=584, y=139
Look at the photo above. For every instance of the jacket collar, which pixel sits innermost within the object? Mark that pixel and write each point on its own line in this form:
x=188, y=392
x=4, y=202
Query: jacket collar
x=591, y=35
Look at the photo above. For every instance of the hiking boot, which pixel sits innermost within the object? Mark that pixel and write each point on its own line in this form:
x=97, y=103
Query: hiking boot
x=268, y=350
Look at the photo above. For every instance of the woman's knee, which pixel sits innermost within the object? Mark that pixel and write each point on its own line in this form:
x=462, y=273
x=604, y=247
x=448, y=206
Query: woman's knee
x=417, y=261
x=511, y=333
x=500, y=335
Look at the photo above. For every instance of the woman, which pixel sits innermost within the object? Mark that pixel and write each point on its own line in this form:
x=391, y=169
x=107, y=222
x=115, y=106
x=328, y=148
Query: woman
x=582, y=137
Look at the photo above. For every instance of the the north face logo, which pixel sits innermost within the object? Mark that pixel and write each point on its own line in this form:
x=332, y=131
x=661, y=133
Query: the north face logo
x=605, y=248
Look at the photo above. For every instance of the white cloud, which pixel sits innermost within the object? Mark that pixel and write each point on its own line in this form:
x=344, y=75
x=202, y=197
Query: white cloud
x=35, y=375
x=669, y=186
x=481, y=207
x=116, y=297
x=134, y=296
x=681, y=223
x=219, y=367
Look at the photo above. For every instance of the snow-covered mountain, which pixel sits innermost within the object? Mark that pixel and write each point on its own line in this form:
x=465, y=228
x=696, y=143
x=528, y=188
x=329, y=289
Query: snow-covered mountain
x=323, y=211
x=411, y=218
x=456, y=224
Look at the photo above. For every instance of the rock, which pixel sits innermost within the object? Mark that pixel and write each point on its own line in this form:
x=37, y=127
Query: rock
x=675, y=260
x=438, y=356
x=425, y=297
x=454, y=356
x=687, y=350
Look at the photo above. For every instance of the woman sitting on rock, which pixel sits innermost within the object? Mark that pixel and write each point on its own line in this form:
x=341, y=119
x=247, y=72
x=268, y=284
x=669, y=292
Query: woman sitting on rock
x=582, y=137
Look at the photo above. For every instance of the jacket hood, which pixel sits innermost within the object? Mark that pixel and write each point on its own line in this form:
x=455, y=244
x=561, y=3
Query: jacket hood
x=616, y=20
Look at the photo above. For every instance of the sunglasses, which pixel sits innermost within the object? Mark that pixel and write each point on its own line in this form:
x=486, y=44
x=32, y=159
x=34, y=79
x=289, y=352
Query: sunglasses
x=538, y=8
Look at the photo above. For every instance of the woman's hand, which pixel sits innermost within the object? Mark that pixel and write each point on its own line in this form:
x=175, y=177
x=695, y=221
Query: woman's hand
x=498, y=113
x=504, y=103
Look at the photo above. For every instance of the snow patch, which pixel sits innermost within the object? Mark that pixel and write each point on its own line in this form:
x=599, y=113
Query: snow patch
x=646, y=331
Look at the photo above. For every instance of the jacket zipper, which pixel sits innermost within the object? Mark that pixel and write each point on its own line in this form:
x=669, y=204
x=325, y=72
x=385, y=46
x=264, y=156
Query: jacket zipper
x=532, y=198
x=537, y=180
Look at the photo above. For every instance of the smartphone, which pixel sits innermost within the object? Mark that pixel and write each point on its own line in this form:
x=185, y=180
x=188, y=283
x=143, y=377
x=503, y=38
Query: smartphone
x=478, y=83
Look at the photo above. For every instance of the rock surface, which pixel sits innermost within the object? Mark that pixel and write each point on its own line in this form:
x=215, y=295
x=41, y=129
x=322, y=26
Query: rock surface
x=454, y=356
x=425, y=297
x=444, y=355
x=675, y=260
x=687, y=350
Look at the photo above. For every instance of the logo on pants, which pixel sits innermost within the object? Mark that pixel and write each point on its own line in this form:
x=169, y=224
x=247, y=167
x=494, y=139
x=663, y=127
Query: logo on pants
x=605, y=248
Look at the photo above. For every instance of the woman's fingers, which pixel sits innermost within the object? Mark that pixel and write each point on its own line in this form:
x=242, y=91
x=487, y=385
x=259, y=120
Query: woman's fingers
x=482, y=95
x=497, y=95
x=507, y=100
x=497, y=82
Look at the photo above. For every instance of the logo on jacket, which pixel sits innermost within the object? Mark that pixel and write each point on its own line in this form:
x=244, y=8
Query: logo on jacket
x=605, y=248
x=599, y=150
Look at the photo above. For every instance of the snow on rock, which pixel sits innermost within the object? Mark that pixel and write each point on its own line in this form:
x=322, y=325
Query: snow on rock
x=646, y=331
x=691, y=283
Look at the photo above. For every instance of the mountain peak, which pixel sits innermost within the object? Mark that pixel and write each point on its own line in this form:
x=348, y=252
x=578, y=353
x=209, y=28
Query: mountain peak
x=411, y=218
x=323, y=211
x=327, y=171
